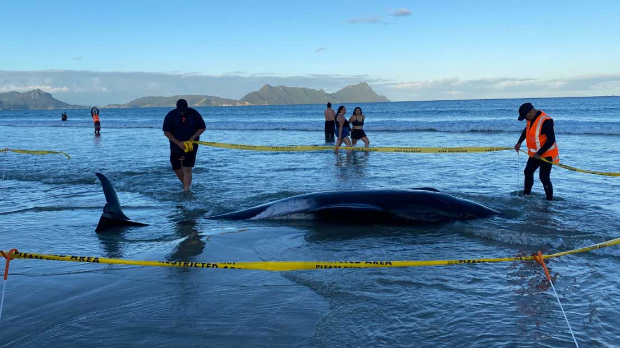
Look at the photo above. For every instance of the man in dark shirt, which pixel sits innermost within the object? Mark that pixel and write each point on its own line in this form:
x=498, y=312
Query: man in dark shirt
x=183, y=124
x=527, y=112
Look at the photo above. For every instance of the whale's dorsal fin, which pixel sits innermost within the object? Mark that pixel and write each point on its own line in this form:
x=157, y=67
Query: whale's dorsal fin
x=112, y=213
x=113, y=205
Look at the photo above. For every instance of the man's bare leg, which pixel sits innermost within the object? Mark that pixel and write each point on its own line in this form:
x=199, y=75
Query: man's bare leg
x=187, y=178
x=179, y=173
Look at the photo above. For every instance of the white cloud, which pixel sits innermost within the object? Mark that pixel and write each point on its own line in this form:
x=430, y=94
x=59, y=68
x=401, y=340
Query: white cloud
x=448, y=88
x=320, y=49
x=401, y=12
x=378, y=19
x=370, y=20
x=26, y=88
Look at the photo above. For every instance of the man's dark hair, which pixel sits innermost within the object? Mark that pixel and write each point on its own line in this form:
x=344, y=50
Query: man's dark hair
x=182, y=105
x=329, y=105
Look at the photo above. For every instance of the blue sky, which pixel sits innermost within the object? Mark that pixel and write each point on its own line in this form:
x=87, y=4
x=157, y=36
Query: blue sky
x=407, y=50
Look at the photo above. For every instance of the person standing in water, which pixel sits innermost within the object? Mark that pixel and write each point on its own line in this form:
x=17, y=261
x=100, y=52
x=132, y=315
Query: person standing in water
x=94, y=113
x=63, y=116
x=540, y=141
x=357, y=121
x=330, y=123
x=180, y=125
x=342, y=128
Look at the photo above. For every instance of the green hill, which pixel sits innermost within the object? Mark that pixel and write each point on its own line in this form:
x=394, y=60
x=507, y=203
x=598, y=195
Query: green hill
x=31, y=100
x=282, y=95
x=192, y=100
x=268, y=95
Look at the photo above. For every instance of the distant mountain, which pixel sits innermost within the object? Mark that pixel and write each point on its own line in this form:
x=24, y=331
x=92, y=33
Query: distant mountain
x=268, y=95
x=282, y=95
x=192, y=100
x=31, y=100
x=360, y=93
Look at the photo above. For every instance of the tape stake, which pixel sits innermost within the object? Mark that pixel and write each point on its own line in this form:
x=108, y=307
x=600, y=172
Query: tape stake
x=8, y=256
x=541, y=262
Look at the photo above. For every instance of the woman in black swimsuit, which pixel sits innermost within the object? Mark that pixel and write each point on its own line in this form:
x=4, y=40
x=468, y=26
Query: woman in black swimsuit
x=342, y=128
x=357, y=121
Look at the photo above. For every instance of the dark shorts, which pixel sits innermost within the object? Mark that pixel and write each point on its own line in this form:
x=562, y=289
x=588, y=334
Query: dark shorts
x=97, y=124
x=357, y=134
x=180, y=159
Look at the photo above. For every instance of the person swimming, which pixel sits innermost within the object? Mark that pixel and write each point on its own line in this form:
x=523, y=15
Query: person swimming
x=357, y=121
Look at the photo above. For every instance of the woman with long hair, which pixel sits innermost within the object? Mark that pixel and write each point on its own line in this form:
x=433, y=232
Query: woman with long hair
x=342, y=128
x=357, y=121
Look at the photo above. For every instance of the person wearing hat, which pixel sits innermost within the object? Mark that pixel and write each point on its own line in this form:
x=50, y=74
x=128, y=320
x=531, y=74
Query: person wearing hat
x=180, y=125
x=540, y=141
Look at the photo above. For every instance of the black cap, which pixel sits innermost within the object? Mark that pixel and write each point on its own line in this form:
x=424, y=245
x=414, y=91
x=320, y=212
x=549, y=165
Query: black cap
x=182, y=105
x=524, y=109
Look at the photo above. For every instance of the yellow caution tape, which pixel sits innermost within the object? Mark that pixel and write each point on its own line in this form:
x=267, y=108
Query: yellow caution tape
x=577, y=169
x=37, y=152
x=189, y=147
x=367, y=149
x=297, y=265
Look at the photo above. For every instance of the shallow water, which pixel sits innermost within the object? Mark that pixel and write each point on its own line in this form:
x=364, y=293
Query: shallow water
x=51, y=205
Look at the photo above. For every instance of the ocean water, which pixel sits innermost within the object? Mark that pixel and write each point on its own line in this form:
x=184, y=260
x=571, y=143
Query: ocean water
x=51, y=205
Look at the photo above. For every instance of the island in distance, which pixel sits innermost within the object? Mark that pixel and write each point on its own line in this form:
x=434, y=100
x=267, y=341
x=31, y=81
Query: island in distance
x=267, y=95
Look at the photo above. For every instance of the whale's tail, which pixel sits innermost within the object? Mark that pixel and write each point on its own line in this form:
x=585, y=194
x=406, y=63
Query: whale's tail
x=113, y=215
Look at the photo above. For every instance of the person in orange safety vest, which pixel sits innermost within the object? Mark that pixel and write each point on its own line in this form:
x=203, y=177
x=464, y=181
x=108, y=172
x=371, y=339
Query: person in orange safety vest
x=540, y=140
x=94, y=112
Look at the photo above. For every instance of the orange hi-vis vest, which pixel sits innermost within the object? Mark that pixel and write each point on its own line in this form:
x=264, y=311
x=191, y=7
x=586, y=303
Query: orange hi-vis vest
x=535, y=140
x=95, y=118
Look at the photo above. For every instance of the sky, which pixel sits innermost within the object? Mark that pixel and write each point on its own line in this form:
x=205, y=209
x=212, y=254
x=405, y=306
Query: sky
x=86, y=52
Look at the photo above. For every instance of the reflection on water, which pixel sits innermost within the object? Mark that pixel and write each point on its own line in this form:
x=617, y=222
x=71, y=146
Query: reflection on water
x=187, y=227
x=351, y=169
x=111, y=242
x=97, y=140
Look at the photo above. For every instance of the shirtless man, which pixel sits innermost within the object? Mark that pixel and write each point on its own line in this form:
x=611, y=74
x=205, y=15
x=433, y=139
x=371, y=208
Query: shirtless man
x=330, y=122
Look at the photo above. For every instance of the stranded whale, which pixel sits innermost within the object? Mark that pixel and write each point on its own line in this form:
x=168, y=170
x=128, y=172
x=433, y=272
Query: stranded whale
x=414, y=205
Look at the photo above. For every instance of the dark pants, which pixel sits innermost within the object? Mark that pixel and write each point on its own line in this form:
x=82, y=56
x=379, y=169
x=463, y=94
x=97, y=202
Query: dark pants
x=543, y=174
x=330, y=126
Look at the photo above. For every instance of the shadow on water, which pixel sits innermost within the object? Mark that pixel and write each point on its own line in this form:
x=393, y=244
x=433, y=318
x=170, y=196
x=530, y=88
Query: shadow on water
x=332, y=230
x=112, y=242
x=97, y=140
x=187, y=227
x=351, y=166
